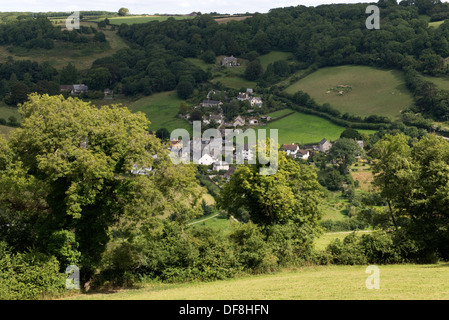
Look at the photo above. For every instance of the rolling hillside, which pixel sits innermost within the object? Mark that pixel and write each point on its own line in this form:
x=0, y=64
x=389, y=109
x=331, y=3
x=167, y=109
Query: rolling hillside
x=358, y=90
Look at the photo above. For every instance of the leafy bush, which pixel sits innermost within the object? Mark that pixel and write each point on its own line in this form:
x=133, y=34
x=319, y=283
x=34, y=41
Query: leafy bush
x=252, y=251
x=349, y=251
x=30, y=275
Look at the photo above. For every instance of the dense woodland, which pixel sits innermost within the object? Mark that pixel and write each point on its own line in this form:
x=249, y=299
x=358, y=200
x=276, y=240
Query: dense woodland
x=68, y=195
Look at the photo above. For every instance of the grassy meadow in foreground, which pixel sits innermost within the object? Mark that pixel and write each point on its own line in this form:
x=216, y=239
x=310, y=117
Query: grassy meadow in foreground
x=397, y=282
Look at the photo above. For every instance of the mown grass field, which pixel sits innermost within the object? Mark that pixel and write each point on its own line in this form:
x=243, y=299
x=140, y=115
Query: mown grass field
x=397, y=282
x=373, y=91
x=304, y=128
x=161, y=109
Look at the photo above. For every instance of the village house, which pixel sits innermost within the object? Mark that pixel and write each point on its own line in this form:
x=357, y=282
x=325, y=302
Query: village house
x=239, y=121
x=253, y=121
x=242, y=96
x=229, y=62
x=290, y=149
x=325, y=145
x=220, y=165
x=211, y=103
x=79, y=88
x=256, y=101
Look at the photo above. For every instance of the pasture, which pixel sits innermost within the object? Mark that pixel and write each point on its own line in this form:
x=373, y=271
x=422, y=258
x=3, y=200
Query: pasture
x=161, y=109
x=305, y=128
x=331, y=282
x=358, y=90
x=143, y=19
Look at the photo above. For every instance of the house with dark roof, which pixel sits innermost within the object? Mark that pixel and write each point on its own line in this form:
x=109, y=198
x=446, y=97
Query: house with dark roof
x=325, y=145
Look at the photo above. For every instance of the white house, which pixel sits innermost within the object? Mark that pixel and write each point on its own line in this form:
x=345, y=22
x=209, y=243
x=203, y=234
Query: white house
x=220, y=165
x=290, y=149
x=207, y=160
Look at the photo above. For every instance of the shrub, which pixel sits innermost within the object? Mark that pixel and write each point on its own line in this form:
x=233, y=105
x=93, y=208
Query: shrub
x=252, y=251
x=30, y=275
x=348, y=252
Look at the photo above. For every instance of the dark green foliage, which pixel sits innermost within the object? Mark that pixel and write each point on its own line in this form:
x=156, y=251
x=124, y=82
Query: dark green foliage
x=253, y=71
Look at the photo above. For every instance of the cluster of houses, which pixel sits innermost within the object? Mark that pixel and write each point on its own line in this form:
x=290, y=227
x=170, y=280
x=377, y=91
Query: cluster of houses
x=239, y=121
x=77, y=89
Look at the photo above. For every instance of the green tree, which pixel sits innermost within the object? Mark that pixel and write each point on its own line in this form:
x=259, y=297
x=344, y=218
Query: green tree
x=344, y=151
x=123, y=12
x=70, y=167
x=393, y=161
x=98, y=78
x=163, y=134
x=253, y=71
x=69, y=74
x=184, y=89
x=291, y=195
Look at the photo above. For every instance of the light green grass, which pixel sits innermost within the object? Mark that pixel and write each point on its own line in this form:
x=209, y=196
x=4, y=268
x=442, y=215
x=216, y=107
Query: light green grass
x=274, y=56
x=304, y=128
x=161, y=109
x=374, y=91
x=441, y=82
x=436, y=24
x=397, y=282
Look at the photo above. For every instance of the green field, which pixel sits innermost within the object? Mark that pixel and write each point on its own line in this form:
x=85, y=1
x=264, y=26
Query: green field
x=142, y=19
x=274, y=56
x=304, y=128
x=396, y=282
x=371, y=91
x=436, y=24
x=161, y=109
x=441, y=82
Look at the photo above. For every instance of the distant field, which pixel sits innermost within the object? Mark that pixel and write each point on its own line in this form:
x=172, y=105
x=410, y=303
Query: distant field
x=370, y=90
x=161, y=109
x=397, y=282
x=231, y=18
x=304, y=128
x=79, y=55
x=141, y=19
x=441, y=82
x=436, y=24
x=274, y=56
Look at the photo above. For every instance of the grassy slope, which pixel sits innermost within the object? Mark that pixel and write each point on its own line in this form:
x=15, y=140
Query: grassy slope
x=374, y=91
x=397, y=282
x=161, y=109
